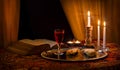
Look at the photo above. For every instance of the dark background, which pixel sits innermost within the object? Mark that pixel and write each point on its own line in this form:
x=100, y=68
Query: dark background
x=39, y=18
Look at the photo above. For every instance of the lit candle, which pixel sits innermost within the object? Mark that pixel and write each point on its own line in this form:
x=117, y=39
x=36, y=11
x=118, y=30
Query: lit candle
x=77, y=42
x=104, y=35
x=70, y=42
x=88, y=19
x=98, y=33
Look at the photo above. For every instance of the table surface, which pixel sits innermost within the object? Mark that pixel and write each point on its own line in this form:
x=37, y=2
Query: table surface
x=10, y=61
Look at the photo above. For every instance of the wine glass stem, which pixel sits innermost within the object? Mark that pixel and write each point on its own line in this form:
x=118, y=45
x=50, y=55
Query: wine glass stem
x=59, y=47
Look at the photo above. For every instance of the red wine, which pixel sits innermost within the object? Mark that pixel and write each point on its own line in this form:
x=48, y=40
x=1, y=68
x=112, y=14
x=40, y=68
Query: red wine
x=59, y=36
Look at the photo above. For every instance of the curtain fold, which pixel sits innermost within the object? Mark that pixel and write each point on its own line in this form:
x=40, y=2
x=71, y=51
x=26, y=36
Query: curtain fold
x=105, y=10
x=76, y=13
x=10, y=10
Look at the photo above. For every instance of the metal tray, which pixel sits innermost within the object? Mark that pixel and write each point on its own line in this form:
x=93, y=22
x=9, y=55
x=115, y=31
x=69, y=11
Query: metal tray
x=50, y=54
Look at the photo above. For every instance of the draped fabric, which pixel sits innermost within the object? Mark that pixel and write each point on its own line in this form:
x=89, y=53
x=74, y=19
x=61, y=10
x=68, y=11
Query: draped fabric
x=9, y=21
x=105, y=10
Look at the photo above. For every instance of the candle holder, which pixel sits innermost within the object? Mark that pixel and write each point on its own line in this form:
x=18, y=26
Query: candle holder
x=103, y=49
x=88, y=40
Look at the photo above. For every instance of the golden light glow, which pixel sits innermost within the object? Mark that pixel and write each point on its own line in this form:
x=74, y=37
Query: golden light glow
x=74, y=42
x=77, y=42
x=98, y=22
x=104, y=24
x=70, y=42
x=88, y=13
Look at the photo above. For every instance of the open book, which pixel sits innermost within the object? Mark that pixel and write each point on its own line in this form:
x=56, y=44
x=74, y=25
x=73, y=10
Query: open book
x=37, y=42
x=29, y=47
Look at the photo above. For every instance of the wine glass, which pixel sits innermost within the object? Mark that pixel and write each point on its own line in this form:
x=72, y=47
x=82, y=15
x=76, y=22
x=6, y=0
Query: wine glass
x=59, y=36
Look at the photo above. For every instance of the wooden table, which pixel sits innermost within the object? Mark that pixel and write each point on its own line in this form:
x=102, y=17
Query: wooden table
x=10, y=61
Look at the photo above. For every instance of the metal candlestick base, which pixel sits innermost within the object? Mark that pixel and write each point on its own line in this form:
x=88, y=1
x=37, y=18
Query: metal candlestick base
x=106, y=49
x=88, y=40
x=103, y=49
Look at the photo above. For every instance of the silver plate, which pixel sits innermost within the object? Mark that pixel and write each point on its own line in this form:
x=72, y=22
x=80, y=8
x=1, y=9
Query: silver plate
x=50, y=54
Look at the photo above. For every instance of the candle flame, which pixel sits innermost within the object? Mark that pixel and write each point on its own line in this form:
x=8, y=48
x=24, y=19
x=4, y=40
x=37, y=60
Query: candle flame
x=77, y=41
x=98, y=22
x=88, y=13
x=104, y=23
x=70, y=42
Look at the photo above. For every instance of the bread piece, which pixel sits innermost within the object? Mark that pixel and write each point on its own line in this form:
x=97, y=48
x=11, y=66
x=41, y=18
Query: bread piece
x=72, y=52
x=89, y=52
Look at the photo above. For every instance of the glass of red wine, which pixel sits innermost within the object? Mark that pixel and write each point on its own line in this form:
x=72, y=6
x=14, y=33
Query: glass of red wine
x=59, y=36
